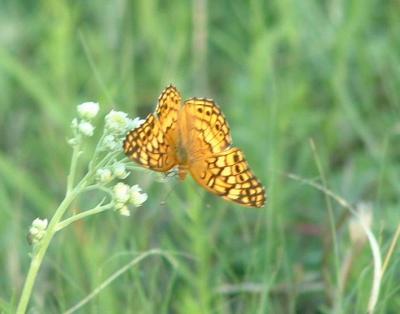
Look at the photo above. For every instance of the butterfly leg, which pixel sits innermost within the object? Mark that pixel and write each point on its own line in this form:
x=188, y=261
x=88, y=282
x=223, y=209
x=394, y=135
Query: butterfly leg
x=182, y=171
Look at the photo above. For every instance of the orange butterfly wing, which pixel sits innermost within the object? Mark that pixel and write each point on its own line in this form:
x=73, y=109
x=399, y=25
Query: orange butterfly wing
x=228, y=175
x=153, y=144
x=219, y=168
x=204, y=129
x=167, y=111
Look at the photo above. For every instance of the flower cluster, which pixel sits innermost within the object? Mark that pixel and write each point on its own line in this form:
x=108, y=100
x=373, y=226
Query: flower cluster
x=117, y=170
x=37, y=230
x=117, y=124
x=86, y=112
x=123, y=195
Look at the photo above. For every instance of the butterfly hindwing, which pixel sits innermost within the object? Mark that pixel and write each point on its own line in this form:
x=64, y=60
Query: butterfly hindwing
x=228, y=175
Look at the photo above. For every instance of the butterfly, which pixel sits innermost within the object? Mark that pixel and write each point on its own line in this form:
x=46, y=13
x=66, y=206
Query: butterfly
x=195, y=138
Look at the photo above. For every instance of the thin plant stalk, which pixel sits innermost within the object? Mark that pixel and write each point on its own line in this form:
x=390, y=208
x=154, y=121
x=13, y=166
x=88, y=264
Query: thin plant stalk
x=40, y=251
x=373, y=243
x=116, y=125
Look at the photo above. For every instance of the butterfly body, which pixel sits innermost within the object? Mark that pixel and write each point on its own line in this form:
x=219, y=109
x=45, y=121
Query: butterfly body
x=182, y=159
x=195, y=137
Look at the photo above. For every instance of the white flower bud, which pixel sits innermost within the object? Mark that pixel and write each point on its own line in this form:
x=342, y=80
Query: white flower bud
x=121, y=193
x=119, y=170
x=117, y=122
x=33, y=231
x=40, y=223
x=88, y=110
x=124, y=211
x=118, y=205
x=137, y=198
x=110, y=142
x=72, y=141
x=134, y=123
x=86, y=128
x=37, y=230
x=104, y=175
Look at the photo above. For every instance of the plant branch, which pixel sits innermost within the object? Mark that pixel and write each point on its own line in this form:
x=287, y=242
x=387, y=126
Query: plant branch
x=74, y=161
x=38, y=255
x=98, y=209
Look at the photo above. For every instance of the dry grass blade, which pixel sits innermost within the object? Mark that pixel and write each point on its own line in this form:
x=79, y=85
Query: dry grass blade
x=375, y=250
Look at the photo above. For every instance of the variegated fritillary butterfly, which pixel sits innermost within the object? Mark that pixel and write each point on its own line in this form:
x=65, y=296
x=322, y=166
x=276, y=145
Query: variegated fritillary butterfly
x=195, y=137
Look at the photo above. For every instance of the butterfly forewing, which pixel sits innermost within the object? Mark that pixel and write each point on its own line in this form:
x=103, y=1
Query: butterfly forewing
x=149, y=147
x=206, y=122
x=167, y=110
x=153, y=144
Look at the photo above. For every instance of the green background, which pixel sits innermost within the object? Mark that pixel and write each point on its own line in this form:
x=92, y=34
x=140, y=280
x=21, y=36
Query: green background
x=285, y=73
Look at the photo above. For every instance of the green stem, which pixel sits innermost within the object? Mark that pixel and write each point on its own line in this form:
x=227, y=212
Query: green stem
x=41, y=249
x=38, y=256
x=333, y=240
x=55, y=224
x=98, y=187
x=86, y=213
x=99, y=143
x=74, y=161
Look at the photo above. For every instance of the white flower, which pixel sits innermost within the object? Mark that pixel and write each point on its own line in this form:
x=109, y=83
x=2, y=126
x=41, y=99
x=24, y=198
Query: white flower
x=137, y=198
x=121, y=193
x=117, y=121
x=37, y=230
x=104, y=175
x=134, y=123
x=124, y=211
x=110, y=142
x=40, y=223
x=88, y=110
x=119, y=170
x=73, y=141
x=86, y=128
x=119, y=205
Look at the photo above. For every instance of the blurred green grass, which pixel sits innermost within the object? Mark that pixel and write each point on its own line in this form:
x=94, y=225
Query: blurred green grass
x=283, y=72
